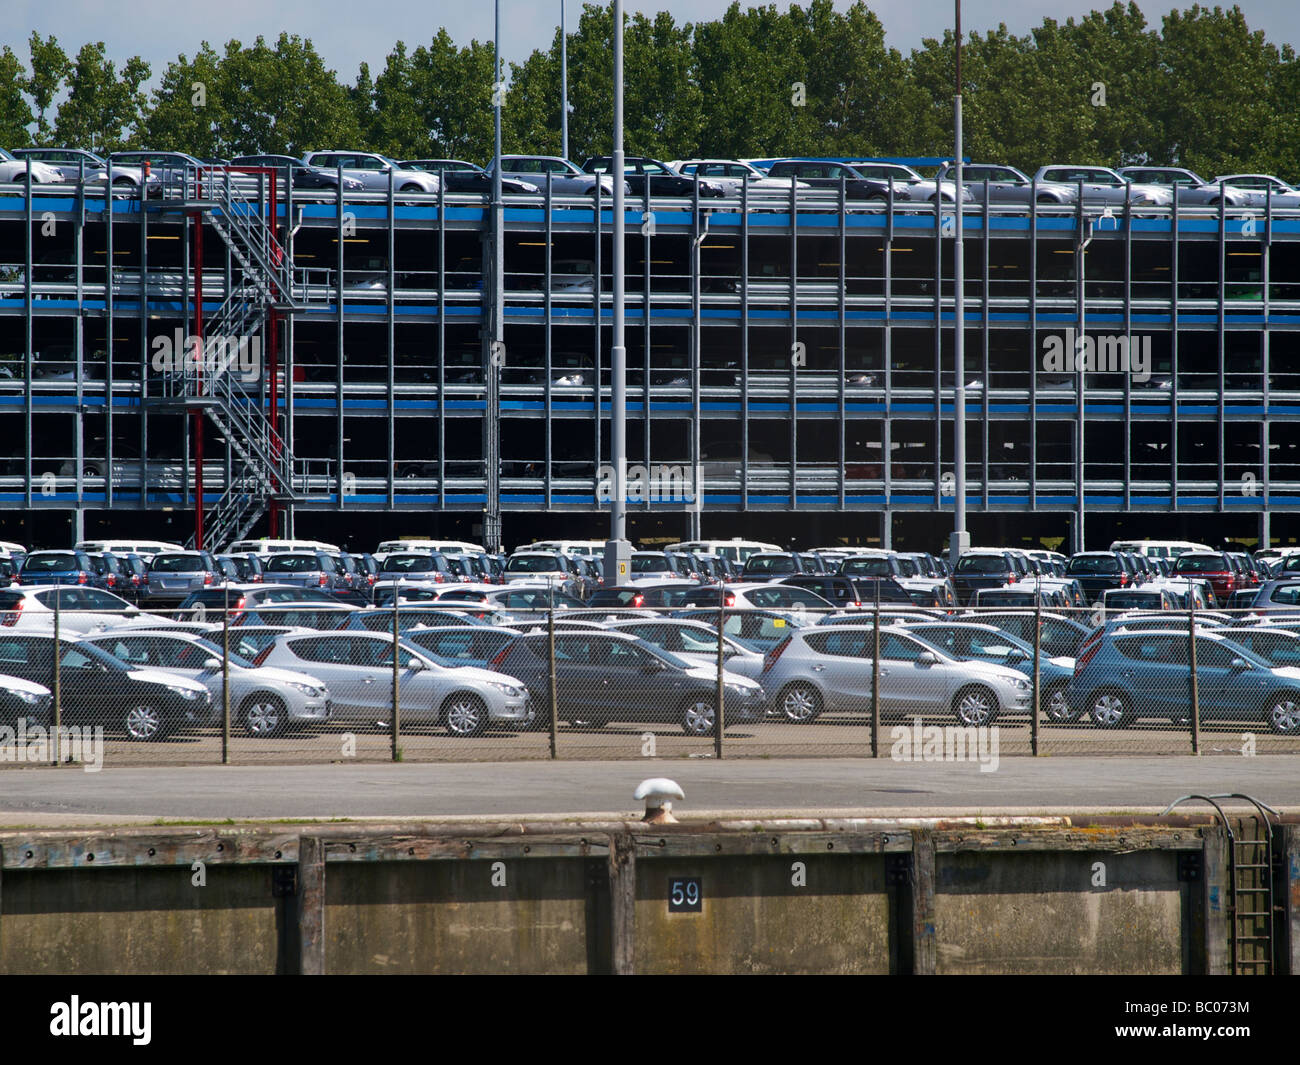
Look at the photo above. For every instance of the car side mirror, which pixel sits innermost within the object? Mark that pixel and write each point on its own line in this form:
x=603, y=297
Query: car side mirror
x=1017, y=655
x=1239, y=663
x=416, y=665
x=212, y=663
x=651, y=668
x=928, y=658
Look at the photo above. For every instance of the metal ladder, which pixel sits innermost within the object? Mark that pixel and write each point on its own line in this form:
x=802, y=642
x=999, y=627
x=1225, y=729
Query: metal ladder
x=1254, y=911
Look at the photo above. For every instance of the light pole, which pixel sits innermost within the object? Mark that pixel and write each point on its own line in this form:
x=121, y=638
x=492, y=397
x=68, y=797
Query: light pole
x=496, y=341
x=1080, y=347
x=564, y=84
x=960, y=540
x=618, y=552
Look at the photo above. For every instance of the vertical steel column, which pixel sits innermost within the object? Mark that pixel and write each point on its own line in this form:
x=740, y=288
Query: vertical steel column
x=496, y=345
x=564, y=89
x=1128, y=332
x=937, y=499
x=27, y=340
x=744, y=346
x=391, y=312
x=794, y=339
x=618, y=351
x=143, y=438
x=887, y=367
x=959, y=539
x=272, y=330
x=645, y=326
x=340, y=230
x=442, y=346
x=1173, y=354
x=1222, y=338
x=1033, y=345
x=548, y=325
x=698, y=236
x=196, y=417
x=841, y=312
x=986, y=292
x=79, y=345
x=1266, y=275
x=596, y=298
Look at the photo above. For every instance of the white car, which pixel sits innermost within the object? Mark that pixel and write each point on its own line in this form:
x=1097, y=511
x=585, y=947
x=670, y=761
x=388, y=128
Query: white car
x=80, y=609
x=733, y=175
x=15, y=170
x=1103, y=186
x=372, y=170
x=265, y=700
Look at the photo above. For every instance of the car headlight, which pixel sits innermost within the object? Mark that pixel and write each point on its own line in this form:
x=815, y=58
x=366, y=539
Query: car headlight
x=1020, y=685
x=30, y=698
x=307, y=689
x=508, y=689
x=739, y=689
x=188, y=693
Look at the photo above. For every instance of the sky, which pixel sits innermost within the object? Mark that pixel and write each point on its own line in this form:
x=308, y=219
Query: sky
x=347, y=32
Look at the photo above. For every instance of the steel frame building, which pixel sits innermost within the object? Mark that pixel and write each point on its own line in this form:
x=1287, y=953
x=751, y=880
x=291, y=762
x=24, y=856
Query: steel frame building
x=790, y=367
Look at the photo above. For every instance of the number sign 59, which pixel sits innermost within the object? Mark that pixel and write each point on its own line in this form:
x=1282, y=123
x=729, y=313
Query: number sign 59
x=685, y=896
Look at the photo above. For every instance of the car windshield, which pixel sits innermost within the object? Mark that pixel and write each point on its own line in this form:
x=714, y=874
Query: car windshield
x=292, y=564
x=49, y=563
x=408, y=564
x=866, y=567
x=650, y=565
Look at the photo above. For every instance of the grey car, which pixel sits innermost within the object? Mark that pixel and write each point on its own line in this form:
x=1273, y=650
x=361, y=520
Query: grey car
x=175, y=575
x=1193, y=190
x=830, y=668
x=695, y=642
x=73, y=163
x=307, y=569
x=1263, y=189
x=1106, y=188
x=567, y=179
x=1006, y=184
x=908, y=184
x=358, y=669
x=264, y=700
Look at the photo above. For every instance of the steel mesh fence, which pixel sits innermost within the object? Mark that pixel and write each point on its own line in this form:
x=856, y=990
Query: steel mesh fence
x=301, y=684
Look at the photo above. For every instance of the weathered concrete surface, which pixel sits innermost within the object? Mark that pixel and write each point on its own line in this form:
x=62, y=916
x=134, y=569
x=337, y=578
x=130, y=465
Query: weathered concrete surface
x=755, y=920
x=152, y=920
x=450, y=917
x=1042, y=913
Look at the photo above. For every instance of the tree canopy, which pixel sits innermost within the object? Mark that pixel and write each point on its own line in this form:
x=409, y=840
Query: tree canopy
x=1201, y=90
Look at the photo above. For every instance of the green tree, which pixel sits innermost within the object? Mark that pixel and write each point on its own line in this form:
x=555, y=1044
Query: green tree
x=188, y=106
x=104, y=106
x=50, y=68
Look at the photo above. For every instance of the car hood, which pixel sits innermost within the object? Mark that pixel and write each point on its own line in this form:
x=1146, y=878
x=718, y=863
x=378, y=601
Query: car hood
x=18, y=684
x=151, y=675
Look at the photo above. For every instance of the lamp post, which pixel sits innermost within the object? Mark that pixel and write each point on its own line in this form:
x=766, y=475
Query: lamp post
x=618, y=552
x=564, y=84
x=1080, y=347
x=960, y=540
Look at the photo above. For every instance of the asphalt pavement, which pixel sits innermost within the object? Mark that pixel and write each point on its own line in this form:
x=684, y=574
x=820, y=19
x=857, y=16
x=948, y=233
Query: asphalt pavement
x=805, y=786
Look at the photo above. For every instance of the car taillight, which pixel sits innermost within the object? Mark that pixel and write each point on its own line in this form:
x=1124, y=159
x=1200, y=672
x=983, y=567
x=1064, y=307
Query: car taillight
x=638, y=600
x=769, y=660
x=730, y=599
x=262, y=655
x=438, y=578
x=81, y=578
x=1123, y=580
x=112, y=580
x=1086, y=656
x=500, y=658
x=207, y=579
x=323, y=580
x=1011, y=578
x=11, y=616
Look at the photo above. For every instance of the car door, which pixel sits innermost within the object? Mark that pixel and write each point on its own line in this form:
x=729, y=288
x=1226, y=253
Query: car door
x=842, y=668
x=640, y=686
x=908, y=686
x=330, y=659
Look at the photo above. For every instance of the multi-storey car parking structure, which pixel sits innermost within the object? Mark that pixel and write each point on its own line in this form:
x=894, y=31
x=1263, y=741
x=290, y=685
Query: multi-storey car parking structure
x=787, y=351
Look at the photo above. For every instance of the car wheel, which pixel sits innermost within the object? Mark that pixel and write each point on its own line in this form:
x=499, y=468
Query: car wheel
x=123, y=182
x=801, y=703
x=1057, y=706
x=699, y=717
x=975, y=705
x=264, y=715
x=1284, y=714
x=1109, y=709
x=144, y=722
x=465, y=714
x=410, y=188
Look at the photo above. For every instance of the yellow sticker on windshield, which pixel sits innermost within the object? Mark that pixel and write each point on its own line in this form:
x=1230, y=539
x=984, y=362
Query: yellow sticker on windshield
x=778, y=623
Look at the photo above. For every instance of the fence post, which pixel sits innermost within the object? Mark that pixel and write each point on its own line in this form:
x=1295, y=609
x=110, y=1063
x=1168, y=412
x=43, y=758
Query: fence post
x=395, y=752
x=1191, y=658
x=57, y=692
x=875, y=676
x=225, y=680
x=553, y=688
x=1036, y=706
x=718, y=710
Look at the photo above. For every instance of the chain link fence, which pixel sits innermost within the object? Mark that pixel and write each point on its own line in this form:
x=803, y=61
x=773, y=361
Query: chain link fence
x=309, y=683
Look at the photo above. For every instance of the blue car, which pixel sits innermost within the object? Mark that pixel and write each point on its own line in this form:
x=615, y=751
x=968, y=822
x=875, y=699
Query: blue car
x=1131, y=675
x=57, y=567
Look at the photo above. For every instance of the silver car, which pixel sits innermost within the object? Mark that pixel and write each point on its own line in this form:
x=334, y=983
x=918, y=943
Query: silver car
x=734, y=175
x=567, y=179
x=909, y=185
x=358, y=669
x=265, y=700
x=1261, y=189
x=1104, y=187
x=1006, y=184
x=1193, y=190
x=74, y=162
x=830, y=668
x=695, y=642
x=372, y=170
